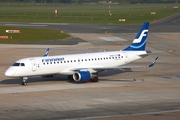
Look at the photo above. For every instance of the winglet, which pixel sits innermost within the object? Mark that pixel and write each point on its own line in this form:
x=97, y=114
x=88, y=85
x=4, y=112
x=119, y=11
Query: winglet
x=152, y=64
x=46, y=53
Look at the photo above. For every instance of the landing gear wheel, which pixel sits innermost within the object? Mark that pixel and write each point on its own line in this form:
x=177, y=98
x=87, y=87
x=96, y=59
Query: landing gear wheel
x=24, y=83
x=94, y=79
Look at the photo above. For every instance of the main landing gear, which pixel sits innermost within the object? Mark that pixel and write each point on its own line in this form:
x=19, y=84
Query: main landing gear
x=94, y=79
x=24, y=82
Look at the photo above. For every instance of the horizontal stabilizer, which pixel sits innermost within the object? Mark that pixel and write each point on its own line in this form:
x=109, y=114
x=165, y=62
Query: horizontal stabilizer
x=149, y=53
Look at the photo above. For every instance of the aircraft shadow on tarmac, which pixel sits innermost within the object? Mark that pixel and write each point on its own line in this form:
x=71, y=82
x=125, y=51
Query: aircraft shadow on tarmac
x=33, y=80
x=112, y=72
x=64, y=78
x=120, y=80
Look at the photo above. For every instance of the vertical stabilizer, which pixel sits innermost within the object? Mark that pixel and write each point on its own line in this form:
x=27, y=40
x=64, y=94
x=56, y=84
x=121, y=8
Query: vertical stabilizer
x=46, y=53
x=139, y=43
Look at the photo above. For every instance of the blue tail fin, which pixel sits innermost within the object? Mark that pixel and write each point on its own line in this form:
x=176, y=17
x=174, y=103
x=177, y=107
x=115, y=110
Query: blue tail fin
x=46, y=53
x=139, y=43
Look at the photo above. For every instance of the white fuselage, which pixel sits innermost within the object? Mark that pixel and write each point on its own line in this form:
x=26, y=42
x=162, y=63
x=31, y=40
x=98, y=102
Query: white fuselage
x=65, y=64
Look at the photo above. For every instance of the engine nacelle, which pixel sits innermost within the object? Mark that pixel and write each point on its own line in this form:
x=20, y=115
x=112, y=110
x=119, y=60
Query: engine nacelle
x=82, y=76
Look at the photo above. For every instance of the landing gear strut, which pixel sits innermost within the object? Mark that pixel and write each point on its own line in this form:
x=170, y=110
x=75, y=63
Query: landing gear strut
x=24, y=82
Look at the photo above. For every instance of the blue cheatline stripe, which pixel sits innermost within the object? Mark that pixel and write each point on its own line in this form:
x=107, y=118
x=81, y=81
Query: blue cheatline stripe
x=136, y=47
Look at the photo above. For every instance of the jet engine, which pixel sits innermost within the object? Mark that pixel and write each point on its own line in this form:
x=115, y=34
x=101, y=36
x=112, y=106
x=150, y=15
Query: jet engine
x=82, y=76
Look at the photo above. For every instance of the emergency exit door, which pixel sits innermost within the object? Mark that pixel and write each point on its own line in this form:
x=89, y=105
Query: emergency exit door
x=126, y=57
x=34, y=65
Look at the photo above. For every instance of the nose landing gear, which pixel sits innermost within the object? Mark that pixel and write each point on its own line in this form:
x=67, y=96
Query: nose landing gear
x=24, y=82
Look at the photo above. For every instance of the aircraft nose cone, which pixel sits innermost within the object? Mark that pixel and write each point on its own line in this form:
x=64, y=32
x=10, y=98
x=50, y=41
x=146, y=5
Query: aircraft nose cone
x=8, y=73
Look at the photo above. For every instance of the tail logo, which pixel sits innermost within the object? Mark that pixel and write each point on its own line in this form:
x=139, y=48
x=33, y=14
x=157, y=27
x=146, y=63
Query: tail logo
x=139, y=43
x=143, y=33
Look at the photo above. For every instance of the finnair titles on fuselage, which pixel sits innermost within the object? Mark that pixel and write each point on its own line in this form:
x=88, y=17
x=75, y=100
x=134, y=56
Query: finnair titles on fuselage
x=82, y=67
x=47, y=60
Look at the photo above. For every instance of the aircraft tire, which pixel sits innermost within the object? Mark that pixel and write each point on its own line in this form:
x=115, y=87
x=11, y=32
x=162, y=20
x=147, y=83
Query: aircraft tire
x=95, y=79
x=24, y=83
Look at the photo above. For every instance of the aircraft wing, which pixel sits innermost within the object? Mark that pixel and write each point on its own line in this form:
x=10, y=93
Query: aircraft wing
x=115, y=68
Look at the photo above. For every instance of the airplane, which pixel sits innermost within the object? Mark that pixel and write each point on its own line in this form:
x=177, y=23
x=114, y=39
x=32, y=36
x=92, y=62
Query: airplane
x=82, y=67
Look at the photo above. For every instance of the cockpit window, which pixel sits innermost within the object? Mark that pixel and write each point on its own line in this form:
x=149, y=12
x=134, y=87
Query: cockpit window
x=22, y=64
x=18, y=64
